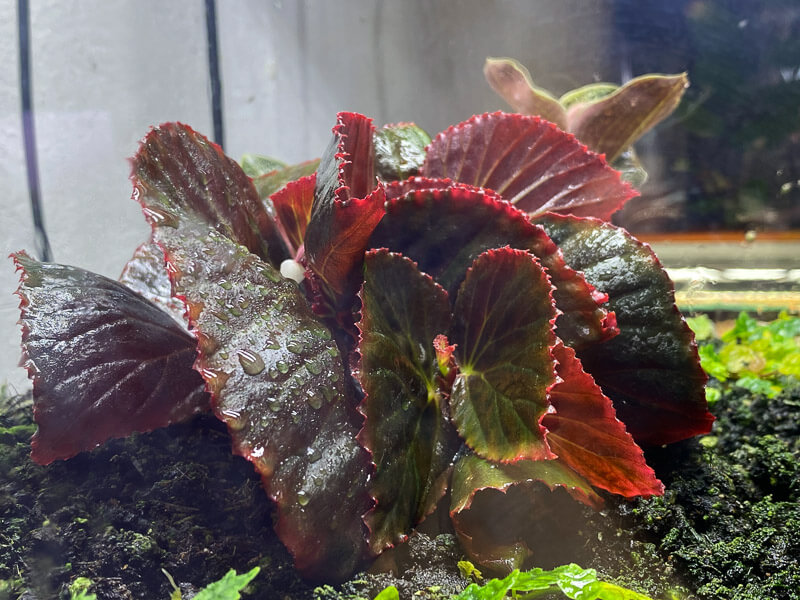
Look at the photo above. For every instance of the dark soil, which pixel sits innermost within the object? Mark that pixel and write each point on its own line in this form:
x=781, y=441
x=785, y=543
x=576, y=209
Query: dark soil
x=176, y=499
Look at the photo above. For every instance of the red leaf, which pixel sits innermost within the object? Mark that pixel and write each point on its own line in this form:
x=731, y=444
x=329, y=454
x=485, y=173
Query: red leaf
x=586, y=435
x=179, y=172
x=293, y=211
x=348, y=205
x=529, y=162
x=104, y=361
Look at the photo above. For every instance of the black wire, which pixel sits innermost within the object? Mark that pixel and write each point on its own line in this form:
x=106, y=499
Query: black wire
x=214, y=72
x=29, y=130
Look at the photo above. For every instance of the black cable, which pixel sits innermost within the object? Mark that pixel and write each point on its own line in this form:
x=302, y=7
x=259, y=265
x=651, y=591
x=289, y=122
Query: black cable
x=29, y=130
x=214, y=72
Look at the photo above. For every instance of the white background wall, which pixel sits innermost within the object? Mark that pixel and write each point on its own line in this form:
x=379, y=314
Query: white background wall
x=106, y=70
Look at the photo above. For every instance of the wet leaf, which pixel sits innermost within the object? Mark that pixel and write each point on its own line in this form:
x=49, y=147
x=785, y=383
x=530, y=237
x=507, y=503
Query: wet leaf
x=145, y=273
x=180, y=171
x=612, y=123
x=399, y=151
x=406, y=429
x=503, y=332
x=513, y=83
x=651, y=370
x=278, y=383
x=255, y=165
x=530, y=163
x=586, y=435
x=105, y=362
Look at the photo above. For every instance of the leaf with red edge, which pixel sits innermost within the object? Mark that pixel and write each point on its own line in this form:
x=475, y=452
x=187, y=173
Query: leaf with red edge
x=269, y=183
x=189, y=174
x=503, y=515
x=278, y=382
x=586, y=435
x=503, y=332
x=529, y=162
x=105, y=362
x=346, y=208
x=145, y=274
x=651, y=370
x=292, y=204
x=406, y=430
x=444, y=228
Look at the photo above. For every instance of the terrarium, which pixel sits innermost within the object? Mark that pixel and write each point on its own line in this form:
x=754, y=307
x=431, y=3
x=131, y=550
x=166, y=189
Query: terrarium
x=545, y=350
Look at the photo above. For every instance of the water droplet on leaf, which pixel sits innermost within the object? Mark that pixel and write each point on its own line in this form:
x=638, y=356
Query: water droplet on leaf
x=251, y=362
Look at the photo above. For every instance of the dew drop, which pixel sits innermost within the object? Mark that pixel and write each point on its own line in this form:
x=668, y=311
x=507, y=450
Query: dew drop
x=273, y=372
x=274, y=404
x=302, y=498
x=257, y=452
x=314, y=367
x=235, y=311
x=282, y=366
x=295, y=346
x=232, y=414
x=251, y=362
x=221, y=316
x=225, y=284
x=272, y=275
x=315, y=401
x=159, y=216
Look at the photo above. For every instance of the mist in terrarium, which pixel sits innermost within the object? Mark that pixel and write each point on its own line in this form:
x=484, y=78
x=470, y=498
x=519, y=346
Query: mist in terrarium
x=464, y=301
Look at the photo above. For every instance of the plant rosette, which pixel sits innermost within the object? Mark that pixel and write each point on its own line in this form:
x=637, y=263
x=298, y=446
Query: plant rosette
x=461, y=320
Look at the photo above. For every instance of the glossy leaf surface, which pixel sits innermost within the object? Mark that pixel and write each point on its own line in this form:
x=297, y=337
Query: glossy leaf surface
x=146, y=274
x=406, y=429
x=347, y=205
x=269, y=183
x=105, y=362
x=651, y=370
x=503, y=332
x=399, y=151
x=188, y=173
x=444, y=229
x=586, y=435
x=529, y=162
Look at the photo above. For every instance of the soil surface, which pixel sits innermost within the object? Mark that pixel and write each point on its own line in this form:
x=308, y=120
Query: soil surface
x=176, y=500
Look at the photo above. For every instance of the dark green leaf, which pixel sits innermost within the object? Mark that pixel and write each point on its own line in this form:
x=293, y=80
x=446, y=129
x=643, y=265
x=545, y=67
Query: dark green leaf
x=255, y=165
x=411, y=441
x=105, y=362
x=651, y=370
x=399, y=151
x=503, y=333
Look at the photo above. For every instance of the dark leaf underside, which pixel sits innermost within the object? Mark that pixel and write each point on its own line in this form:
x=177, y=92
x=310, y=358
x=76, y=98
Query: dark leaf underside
x=503, y=332
x=586, y=435
x=529, y=162
x=105, y=362
x=651, y=370
x=411, y=441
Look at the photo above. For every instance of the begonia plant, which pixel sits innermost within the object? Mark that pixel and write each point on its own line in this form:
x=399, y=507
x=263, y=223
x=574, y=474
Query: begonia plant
x=403, y=323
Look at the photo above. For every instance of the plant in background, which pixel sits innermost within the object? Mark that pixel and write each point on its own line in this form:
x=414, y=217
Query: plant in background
x=606, y=117
x=458, y=320
x=761, y=357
